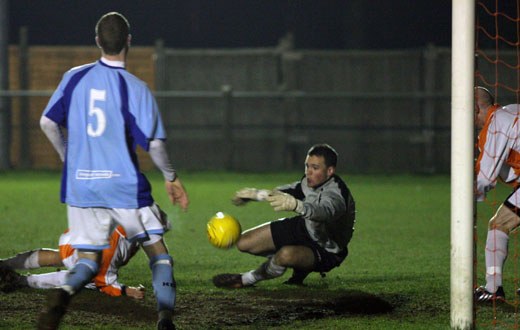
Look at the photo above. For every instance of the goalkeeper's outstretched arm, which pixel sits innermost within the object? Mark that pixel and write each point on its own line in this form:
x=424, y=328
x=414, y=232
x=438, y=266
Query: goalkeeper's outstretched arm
x=245, y=195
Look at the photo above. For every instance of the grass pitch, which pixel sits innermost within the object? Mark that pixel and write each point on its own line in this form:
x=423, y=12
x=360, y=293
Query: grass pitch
x=395, y=277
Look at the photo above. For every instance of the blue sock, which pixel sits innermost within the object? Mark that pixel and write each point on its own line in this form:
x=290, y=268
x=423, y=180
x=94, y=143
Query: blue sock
x=163, y=282
x=82, y=273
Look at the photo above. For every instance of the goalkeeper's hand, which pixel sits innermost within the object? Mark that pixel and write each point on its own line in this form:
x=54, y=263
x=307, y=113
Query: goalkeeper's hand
x=284, y=202
x=245, y=195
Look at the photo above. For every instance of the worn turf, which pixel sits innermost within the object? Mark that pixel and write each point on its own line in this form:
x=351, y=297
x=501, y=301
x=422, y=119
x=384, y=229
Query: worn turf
x=395, y=277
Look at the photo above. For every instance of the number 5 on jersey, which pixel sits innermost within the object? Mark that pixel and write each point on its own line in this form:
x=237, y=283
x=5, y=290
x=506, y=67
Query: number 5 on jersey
x=96, y=95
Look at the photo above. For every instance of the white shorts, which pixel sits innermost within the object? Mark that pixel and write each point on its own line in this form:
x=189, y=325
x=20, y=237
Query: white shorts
x=90, y=228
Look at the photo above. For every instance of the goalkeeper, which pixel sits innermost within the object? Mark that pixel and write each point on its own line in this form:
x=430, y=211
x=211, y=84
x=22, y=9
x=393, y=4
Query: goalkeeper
x=315, y=240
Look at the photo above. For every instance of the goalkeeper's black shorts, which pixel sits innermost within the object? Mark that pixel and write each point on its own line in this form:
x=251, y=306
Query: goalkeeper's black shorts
x=292, y=231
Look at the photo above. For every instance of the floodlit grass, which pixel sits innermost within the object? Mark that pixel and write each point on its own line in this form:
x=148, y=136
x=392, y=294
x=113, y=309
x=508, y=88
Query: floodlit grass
x=395, y=277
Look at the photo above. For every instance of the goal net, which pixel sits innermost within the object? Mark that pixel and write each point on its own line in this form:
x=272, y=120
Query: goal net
x=497, y=68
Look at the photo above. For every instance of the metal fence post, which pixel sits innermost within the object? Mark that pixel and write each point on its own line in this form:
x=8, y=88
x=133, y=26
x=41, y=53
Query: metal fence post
x=430, y=58
x=5, y=109
x=25, y=141
x=160, y=71
x=227, y=127
x=292, y=139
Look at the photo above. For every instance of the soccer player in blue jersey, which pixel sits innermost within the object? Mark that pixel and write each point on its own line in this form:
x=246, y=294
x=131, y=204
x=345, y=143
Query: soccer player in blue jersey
x=107, y=112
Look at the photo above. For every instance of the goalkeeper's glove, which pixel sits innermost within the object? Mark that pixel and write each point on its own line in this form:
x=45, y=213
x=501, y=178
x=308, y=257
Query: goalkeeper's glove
x=284, y=202
x=245, y=195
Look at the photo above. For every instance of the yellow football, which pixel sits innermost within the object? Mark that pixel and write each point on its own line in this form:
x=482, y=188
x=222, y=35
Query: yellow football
x=223, y=230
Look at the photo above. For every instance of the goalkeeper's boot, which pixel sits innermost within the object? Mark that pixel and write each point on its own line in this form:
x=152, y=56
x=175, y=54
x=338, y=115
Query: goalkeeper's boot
x=53, y=311
x=231, y=281
x=165, y=324
x=9, y=279
x=483, y=295
x=297, y=277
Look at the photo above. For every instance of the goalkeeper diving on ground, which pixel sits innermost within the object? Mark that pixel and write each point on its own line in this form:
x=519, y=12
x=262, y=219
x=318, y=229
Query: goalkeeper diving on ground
x=314, y=240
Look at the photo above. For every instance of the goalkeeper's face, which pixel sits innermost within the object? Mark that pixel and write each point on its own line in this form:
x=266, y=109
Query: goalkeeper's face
x=317, y=171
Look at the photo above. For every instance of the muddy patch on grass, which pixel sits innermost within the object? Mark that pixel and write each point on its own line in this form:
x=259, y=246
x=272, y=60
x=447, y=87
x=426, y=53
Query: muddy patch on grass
x=213, y=309
x=263, y=308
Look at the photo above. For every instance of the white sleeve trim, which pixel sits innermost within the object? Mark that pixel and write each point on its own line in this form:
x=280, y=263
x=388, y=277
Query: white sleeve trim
x=160, y=159
x=53, y=132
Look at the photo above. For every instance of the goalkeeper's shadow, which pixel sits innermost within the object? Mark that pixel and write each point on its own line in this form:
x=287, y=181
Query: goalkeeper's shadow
x=330, y=302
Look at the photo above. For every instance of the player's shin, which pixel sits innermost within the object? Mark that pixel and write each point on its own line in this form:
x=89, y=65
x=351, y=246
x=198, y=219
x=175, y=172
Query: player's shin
x=82, y=273
x=44, y=281
x=163, y=284
x=23, y=261
x=268, y=270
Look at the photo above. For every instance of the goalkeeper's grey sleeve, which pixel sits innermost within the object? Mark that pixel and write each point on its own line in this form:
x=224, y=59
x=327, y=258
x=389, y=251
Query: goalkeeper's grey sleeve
x=160, y=159
x=294, y=189
x=329, y=207
x=53, y=132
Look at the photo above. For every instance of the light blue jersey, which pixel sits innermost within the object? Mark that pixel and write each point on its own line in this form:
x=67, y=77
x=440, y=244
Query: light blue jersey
x=107, y=112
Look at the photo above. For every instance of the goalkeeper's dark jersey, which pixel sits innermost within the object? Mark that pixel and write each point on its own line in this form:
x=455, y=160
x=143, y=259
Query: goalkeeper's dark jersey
x=328, y=210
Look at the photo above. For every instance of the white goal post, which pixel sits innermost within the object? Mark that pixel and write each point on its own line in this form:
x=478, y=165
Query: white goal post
x=462, y=158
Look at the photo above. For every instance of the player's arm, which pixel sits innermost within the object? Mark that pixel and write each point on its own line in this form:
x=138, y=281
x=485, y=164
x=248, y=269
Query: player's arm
x=330, y=207
x=287, y=198
x=55, y=115
x=108, y=284
x=54, y=134
x=491, y=158
x=135, y=292
x=245, y=195
x=294, y=189
x=174, y=186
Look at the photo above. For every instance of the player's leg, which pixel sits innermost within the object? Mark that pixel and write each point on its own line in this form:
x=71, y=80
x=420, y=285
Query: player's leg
x=49, y=258
x=297, y=277
x=88, y=234
x=299, y=257
x=59, y=298
x=257, y=240
x=148, y=225
x=295, y=256
x=324, y=261
x=11, y=280
x=163, y=282
x=264, y=240
x=34, y=259
x=83, y=272
x=45, y=280
x=289, y=236
x=500, y=226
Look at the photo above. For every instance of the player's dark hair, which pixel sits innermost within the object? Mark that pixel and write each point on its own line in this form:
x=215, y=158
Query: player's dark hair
x=112, y=29
x=327, y=152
